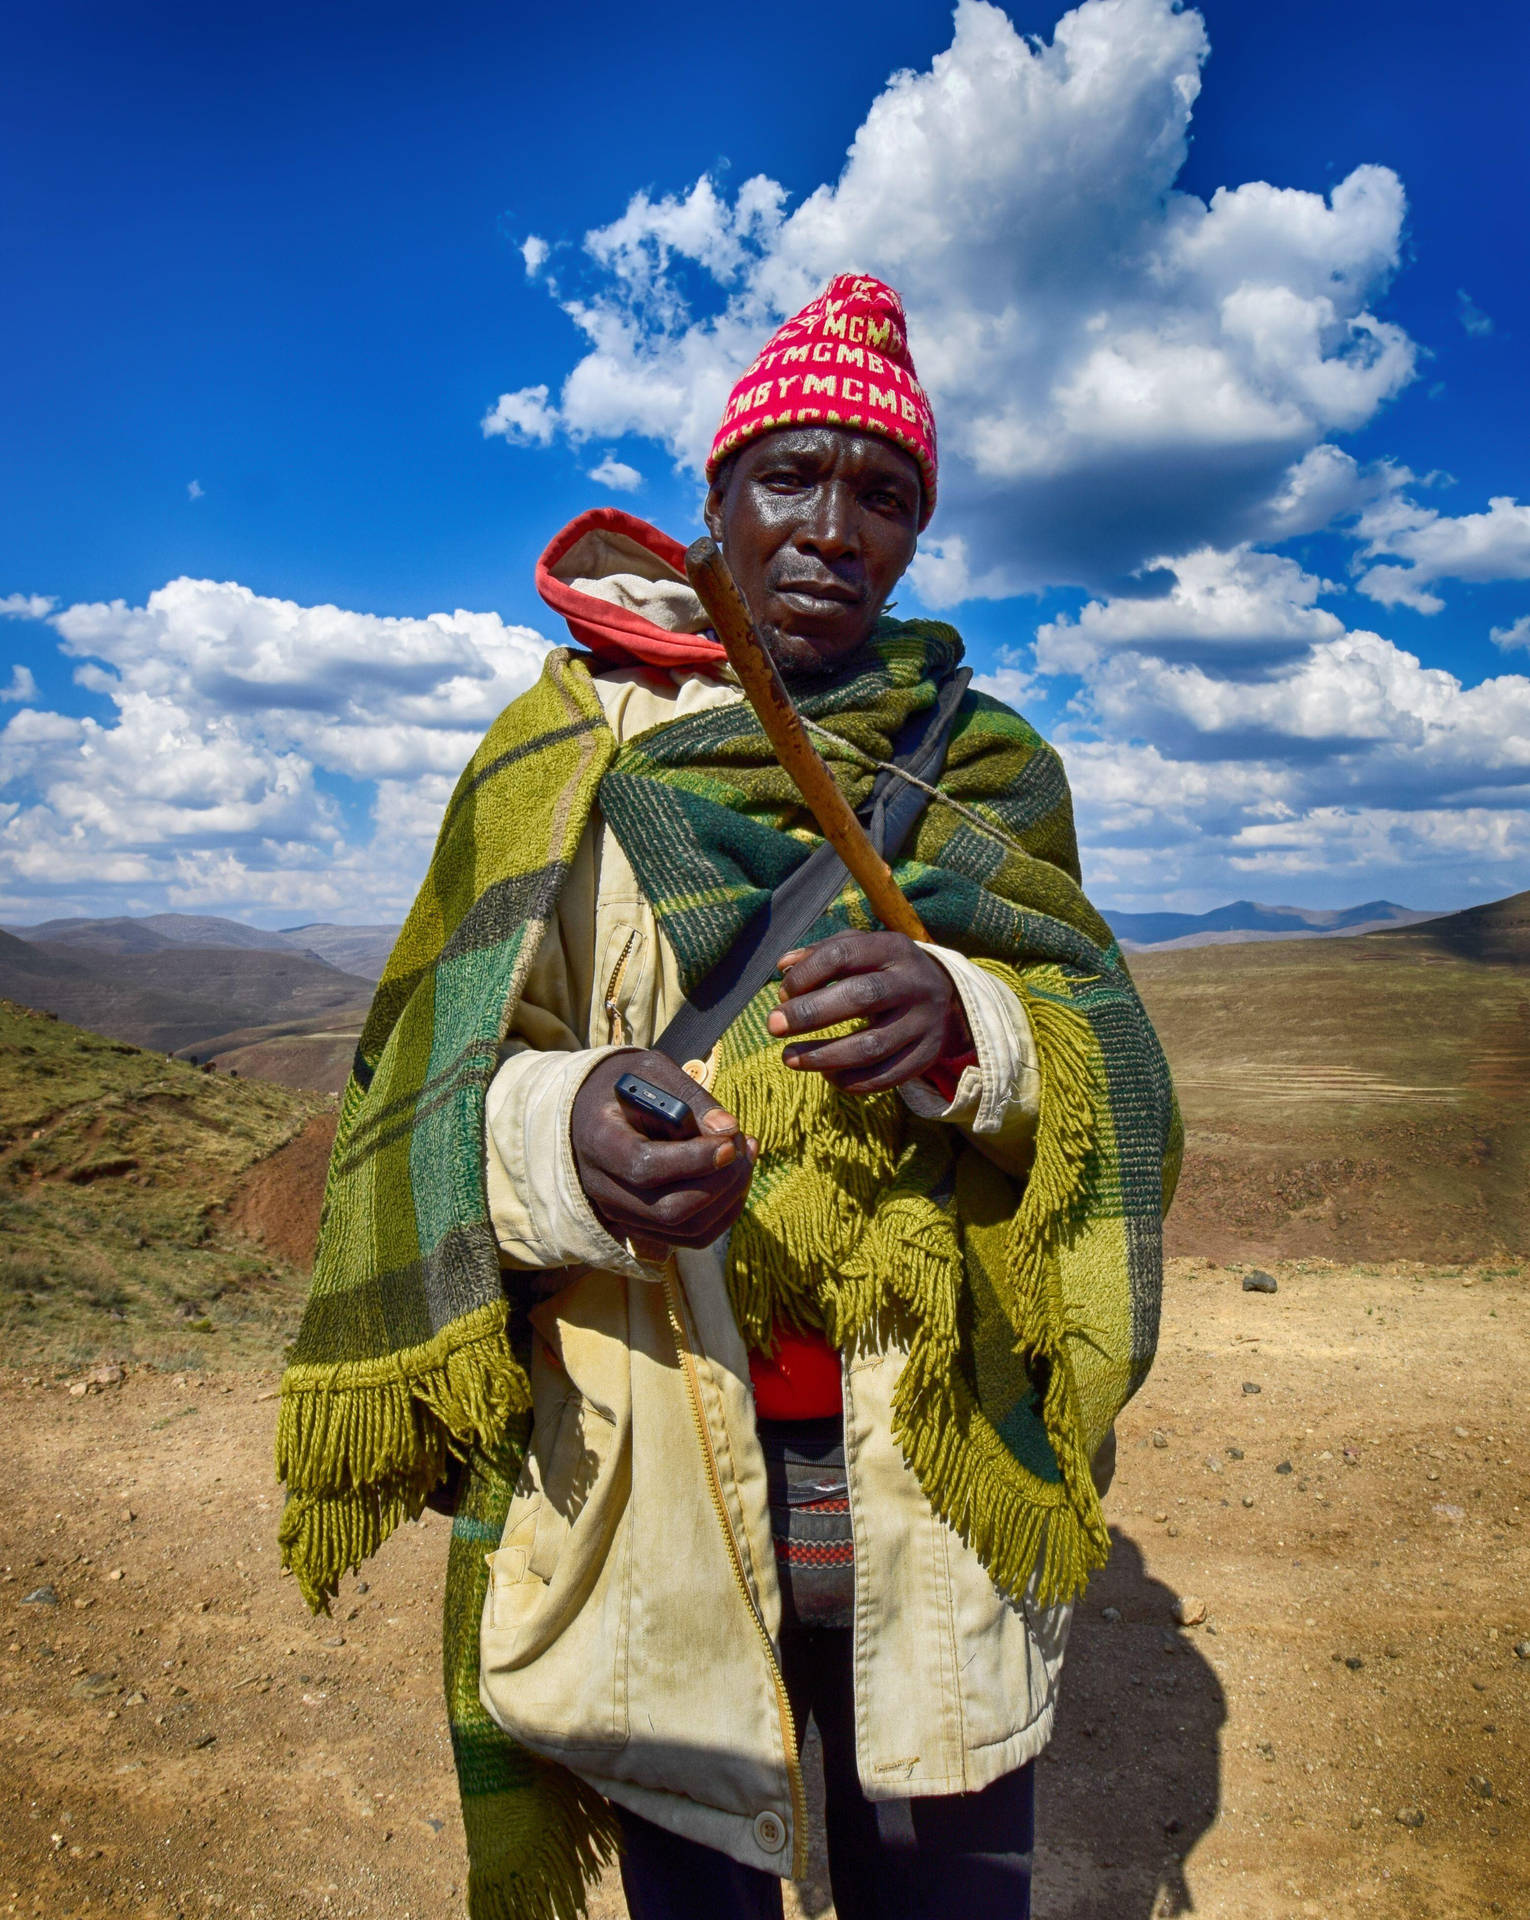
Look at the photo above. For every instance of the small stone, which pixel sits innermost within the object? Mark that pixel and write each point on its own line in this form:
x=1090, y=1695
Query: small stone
x=1213, y=1464
x=129, y=1515
x=1235, y=1453
x=1410, y=1816
x=1285, y=1467
x=1248, y=1499
x=1172, y=1531
x=1266, y=1750
x=1522, y=1650
x=136, y=1699
x=1160, y=1438
x=361, y=1586
x=1353, y=1662
x=206, y=1740
x=1461, y=1433
x=78, y=1390
x=1259, y=1282
x=1482, y=1787
x=1160, y=1518
x=336, y=1640
x=95, y=1686
x=1111, y=1615
x=1252, y=1386
x=110, y=1375
x=1189, y=1610
x=115, y=1574
x=40, y=1597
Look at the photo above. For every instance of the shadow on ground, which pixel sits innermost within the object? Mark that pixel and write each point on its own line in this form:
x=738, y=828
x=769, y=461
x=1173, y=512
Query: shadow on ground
x=1132, y=1779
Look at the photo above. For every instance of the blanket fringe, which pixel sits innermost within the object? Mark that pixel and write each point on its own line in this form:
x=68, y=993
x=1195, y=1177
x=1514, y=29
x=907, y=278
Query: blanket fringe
x=574, y=1837
x=360, y=1444
x=843, y=1233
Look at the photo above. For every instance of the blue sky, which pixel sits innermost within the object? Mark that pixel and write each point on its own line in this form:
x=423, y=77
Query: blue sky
x=1226, y=349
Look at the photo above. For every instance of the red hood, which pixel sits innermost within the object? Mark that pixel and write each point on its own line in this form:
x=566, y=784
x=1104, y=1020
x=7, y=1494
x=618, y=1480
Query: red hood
x=621, y=586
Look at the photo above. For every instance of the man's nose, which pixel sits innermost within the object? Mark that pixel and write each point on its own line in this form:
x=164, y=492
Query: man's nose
x=830, y=529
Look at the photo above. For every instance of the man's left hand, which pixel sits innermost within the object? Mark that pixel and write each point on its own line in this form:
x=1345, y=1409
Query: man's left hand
x=912, y=1010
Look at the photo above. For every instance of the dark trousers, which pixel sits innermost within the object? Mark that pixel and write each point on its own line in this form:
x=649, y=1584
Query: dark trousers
x=961, y=1857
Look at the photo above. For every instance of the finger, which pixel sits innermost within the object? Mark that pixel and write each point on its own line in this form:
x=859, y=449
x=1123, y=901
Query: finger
x=861, y=996
x=897, y=1071
x=667, y=1208
x=620, y=1150
x=908, y=1063
x=842, y=953
x=691, y=1215
x=866, y=1048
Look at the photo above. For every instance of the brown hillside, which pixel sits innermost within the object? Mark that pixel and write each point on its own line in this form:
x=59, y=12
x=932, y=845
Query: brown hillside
x=1497, y=934
x=174, y=996
x=1352, y=1099
x=115, y=1167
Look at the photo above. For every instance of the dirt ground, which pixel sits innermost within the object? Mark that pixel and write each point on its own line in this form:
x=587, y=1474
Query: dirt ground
x=180, y=1738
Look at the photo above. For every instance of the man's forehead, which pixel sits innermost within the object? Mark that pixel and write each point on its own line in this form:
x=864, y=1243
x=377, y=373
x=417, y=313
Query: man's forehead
x=867, y=451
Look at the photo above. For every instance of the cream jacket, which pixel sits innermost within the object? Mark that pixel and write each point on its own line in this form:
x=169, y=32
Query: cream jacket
x=630, y=1624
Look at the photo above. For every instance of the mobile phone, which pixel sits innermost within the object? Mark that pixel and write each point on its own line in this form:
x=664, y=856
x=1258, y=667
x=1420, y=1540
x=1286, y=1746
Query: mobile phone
x=658, y=1114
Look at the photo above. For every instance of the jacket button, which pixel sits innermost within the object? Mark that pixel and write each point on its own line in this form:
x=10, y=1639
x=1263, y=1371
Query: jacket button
x=770, y=1831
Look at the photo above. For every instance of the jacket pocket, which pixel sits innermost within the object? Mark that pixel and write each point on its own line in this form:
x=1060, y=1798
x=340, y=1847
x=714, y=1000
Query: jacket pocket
x=553, y=1644
x=623, y=982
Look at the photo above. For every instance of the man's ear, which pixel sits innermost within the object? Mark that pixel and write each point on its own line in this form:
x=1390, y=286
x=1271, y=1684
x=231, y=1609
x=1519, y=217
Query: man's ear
x=711, y=513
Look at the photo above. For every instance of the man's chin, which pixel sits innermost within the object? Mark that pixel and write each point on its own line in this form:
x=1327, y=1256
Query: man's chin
x=799, y=654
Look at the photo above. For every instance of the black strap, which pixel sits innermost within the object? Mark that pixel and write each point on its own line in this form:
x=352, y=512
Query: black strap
x=890, y=815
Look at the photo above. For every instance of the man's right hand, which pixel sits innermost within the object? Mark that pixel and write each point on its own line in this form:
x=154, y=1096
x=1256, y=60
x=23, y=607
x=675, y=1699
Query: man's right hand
x=658, y=1193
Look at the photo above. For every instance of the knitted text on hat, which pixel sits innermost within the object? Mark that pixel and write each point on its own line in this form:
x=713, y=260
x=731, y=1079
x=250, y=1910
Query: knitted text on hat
x=842, y=362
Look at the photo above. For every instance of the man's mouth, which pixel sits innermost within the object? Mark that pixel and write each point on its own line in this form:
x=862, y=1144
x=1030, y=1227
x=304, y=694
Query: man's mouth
x=816, y=594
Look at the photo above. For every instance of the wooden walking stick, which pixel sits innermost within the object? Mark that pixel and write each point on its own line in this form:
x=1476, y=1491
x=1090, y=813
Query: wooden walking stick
x=763, y=688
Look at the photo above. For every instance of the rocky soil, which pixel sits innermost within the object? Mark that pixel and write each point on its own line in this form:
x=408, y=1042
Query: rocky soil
x=1345, y=1735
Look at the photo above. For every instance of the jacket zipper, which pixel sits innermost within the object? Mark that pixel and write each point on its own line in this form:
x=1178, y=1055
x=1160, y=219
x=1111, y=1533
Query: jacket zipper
x=788, y=1721
x=616, y=1033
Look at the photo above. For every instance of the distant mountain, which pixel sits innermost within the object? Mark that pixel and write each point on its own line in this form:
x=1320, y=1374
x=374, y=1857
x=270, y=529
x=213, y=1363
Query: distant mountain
x=176, y=996
x=1249, y=920
x=152, y=934
x=362, y=950
x=356, y=950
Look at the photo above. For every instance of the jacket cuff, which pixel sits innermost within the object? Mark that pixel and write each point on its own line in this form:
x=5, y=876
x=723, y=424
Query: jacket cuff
x=541, y=1215
x=1002, y=1093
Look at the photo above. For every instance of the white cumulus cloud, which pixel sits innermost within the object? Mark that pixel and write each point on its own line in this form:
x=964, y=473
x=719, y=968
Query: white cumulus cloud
x=1119, y=369
x=616, y=475
x=23, y=684
x=524, y=418
x=1516, y=634
x=1471, y=546
x=26, y=606
x=248, y=735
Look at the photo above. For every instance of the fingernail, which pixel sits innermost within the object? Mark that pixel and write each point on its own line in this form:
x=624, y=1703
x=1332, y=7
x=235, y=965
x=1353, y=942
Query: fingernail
x=776, y=1023
x=791, y=1058
x=724, y=1155
x=752, y=1148
x=719, y=1120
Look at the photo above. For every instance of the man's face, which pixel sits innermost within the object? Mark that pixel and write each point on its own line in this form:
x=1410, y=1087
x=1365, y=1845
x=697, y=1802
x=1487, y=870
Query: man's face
x=816, y=524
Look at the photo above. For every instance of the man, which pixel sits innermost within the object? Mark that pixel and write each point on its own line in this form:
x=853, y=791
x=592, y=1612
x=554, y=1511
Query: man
x=815, y=1388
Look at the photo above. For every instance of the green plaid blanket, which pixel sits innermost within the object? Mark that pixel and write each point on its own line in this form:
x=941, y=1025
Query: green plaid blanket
x=1029, y=1308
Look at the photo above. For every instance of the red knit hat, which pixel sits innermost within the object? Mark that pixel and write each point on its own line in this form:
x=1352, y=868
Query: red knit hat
x=842, y=362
